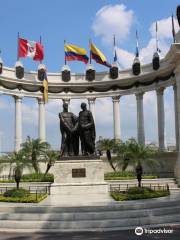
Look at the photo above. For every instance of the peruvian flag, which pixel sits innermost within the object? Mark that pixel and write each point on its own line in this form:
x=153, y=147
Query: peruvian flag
x=32, y=49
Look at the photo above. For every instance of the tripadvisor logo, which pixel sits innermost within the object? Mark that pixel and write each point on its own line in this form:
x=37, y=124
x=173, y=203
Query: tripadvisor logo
x=139, y=231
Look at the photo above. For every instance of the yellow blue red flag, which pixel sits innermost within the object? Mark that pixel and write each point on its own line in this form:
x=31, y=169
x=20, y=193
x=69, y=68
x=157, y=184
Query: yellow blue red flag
x=98, y=56
x=73, y=53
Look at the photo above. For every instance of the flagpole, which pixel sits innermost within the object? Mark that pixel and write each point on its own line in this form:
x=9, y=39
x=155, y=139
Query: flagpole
x=156, y=37
x=173, y=30
x=137, y=45
x=90, y=51
x=65, y=62
x=114, y=44
x=40, y=40
x=18, y=46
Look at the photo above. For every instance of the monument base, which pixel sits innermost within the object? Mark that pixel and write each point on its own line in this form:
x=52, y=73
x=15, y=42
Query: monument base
x=79, y=177
x=79, y=189
x=78, y=171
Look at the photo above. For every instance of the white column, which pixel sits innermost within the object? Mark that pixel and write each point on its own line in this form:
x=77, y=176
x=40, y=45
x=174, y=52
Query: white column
x=176, y=117
x=140, y=119
x=91, y=102
x=18, y=122
x=177, y=165
x=161, y=119
x=42, y=124
x=116, y=117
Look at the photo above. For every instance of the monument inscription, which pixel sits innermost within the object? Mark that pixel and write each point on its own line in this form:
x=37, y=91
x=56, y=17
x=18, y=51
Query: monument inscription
x=78, y=172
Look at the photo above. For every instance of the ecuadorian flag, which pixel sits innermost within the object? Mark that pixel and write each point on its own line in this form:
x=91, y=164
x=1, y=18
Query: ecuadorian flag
x=98, y=56
x=73, y=53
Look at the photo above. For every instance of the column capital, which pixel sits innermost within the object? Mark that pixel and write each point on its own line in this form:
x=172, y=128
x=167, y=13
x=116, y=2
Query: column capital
x=18, y=98
x=139, y=95
x=66, y=100
x=40, y=100
x=116, y=98
x=91, y=99
x=160, y=91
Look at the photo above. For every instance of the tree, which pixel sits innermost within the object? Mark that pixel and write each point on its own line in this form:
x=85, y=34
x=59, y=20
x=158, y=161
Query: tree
x=34, y=149
x=136, y=154
x=18, y=161
x=51, y=157
x=110, y=146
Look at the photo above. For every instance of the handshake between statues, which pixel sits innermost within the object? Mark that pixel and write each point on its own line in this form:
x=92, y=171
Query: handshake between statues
x=74, y=128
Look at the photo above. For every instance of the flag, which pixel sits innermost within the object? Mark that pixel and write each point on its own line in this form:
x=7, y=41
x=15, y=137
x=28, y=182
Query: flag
x=73, y=53
x=137, y=45
x=173, y=29
x=45, y=87
x=31, y=49
x=98, y=56
x=157, y=39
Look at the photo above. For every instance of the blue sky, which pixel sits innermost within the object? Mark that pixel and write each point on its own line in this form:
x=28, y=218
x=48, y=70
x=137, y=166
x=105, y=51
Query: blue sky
x=77, y=21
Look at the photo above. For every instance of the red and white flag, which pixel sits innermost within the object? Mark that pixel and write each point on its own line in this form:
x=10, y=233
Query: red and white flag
x=32, y=49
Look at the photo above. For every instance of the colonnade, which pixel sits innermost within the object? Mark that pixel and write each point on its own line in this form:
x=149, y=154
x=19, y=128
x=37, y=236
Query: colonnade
x=18, y=121
x=116, y=118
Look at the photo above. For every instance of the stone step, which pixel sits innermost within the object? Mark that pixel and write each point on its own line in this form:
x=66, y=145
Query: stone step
x=87, y=225
x=145, y=204
x=71, y=216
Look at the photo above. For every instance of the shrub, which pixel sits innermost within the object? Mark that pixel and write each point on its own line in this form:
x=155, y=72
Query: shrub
x=30, y=199
x=17, y=193
x=139, y=190
x=122, y=175
x=136, y=193
x=38, y=177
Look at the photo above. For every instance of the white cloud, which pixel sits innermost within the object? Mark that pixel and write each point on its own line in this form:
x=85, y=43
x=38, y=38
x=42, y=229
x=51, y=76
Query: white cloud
x=164, y=28
x=116, y=19
x=112, y=20
x=125, y=58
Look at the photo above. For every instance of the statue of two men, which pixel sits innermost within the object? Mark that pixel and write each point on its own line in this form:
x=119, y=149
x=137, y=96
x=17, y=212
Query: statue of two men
x=73, y=127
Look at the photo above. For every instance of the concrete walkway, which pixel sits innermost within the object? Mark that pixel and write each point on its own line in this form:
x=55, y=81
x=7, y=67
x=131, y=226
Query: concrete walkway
x=115, y=235
x=69, y=201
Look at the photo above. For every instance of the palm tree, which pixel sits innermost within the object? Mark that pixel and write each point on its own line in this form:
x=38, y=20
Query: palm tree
x=34, y=149
x=18, y=161
x=51, y=156
x=109, y=145
x=136, y=154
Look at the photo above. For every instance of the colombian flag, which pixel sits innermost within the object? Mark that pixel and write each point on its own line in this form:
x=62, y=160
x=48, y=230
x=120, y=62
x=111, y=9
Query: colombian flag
x=73, y=53
x=98, y=56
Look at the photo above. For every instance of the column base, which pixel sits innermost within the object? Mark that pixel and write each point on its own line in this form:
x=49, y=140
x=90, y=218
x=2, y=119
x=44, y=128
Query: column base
x=177, y=170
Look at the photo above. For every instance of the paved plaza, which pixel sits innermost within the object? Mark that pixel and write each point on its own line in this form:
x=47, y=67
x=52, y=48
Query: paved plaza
x=115, y=235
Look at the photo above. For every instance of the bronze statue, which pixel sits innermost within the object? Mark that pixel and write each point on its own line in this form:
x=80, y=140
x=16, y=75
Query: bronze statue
x=87, y=131
x=70, y=138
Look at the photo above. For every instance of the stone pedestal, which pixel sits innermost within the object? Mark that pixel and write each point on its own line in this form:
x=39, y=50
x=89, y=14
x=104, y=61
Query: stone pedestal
x=79, y=177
